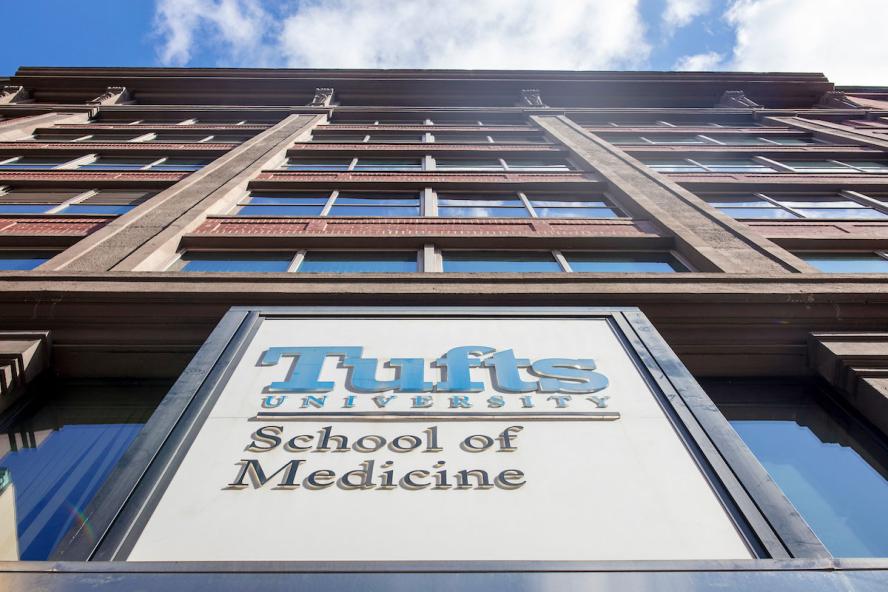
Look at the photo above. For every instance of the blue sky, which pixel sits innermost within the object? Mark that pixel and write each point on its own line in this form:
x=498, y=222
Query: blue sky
x=764, y=35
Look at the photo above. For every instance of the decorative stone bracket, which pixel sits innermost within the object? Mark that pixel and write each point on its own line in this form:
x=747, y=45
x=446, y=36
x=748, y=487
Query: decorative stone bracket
x=836, y=99
x=322, y=97
x=856, y=364
x=113, y=95
x=737, y=98
x=23, y=356
x=13, y=94
x=530, y=97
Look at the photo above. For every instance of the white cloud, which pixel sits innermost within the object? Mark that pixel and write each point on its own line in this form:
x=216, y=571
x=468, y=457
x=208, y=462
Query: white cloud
x=711, y=60
x=680, y=13
x=841, y=38
x=506, y=34
x=235, y=28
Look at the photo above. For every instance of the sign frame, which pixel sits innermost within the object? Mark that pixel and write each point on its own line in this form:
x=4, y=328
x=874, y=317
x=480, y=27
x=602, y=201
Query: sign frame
x=769, y=524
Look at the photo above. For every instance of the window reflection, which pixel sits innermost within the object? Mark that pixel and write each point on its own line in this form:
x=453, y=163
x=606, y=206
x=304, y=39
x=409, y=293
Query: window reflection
x=830, y=465
x=56, y=454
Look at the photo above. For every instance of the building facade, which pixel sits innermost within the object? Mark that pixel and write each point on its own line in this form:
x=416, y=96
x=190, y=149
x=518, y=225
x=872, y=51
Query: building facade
x=745, y=215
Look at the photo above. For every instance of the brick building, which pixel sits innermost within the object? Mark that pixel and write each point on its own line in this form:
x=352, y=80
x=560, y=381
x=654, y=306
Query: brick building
x=745, y=214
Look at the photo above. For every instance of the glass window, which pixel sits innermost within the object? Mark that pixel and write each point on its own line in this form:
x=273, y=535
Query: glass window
x=500, y=261
x=180, y=164
x=84, y=208
x=15, y=260
x=34, y=163
x=61, y=448
x=480, y=205
x=284, y=204
x=675, y=166
x=388, y=164
x=829, y=207
x=817, y=166
x=318, y=164
x=339, y=138
x=623, y=262
x=735, y=166
x=236, y=262
x=528, y=164
x=870, y=167
x=117, y=164
x=832, y=467
x=396, y=138
x=566, y=206
x=375, y=205
x=24, y=208
x=847, y=262
x=359, y=262
x=468, y=164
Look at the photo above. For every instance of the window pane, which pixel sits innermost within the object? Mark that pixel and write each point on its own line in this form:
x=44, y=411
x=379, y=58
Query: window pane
x=117, y=164
x=825, y=462
x=317, y=164
x=500, y=261
x=24, y=208
x=825, y=202
x=848, y=213
x=35, y=163
x=576, y=213
x=847, y=262
x=369, y=164
x=387, y=199
x=280, y=210
x=739, y=201
x=615, y=263
x=468, y=165
x=179, y=164
x=24, y=260
x=567, y=202
x=677, y=140
x=62, y=449
x=675, y=166
x=740, y=140
x=817, y=166
x=339, y=139
x=474, y=199
x=772, y=213
x=367, y=262
x=736, y=166
x=373, y=211
x=537, y=165
x=91, y=209
x=319, y=199
x=870, y=167
x=482, y=212
x=245, y=262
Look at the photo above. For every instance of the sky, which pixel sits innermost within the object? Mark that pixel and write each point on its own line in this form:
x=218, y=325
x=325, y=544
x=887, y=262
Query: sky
x=841, y=38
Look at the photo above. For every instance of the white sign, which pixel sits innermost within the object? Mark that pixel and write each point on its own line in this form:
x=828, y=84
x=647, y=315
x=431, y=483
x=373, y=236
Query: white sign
x=389, y=439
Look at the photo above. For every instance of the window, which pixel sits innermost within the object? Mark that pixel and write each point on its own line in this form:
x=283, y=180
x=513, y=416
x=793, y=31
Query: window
x=247, y=262
x=23, y=260
x=849, y=262
x=317, y=164
x=359, y=262
x=58, y=451
x=521, y=205
x=469, y=164
x=836, y=166
x=32, y=163
x=623, y=262
x=547, y=205
x=699, y=165
x=472, y=205
x=71, y=201
x=84, y=137
x=34, y=201
x=283, y=204
x=109, y=163
x=500, y=261
x=529, y=164
x=375, y=205
x=831, y=466
x=388, y=164
x=777, y=207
